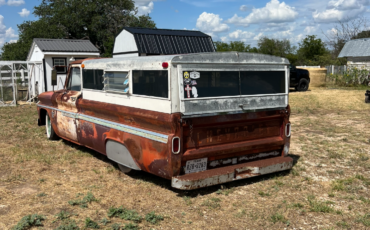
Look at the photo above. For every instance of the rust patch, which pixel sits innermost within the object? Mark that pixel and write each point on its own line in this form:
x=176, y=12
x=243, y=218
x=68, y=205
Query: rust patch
x=159, y=167
x=134, y=149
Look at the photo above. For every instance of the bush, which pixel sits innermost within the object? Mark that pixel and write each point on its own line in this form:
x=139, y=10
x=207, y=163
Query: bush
x=352, y=77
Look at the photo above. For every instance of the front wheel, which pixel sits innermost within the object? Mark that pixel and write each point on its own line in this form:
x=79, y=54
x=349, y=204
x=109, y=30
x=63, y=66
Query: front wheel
x=49, y=129
x=303, y=85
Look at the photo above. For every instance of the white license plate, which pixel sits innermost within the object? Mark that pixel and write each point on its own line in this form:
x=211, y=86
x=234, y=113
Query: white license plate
x=197, y=165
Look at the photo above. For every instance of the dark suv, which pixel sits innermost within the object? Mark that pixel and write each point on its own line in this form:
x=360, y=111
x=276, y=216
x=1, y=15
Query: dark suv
x=299, y=78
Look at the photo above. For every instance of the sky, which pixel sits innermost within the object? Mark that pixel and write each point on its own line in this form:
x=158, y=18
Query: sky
x=224, y=20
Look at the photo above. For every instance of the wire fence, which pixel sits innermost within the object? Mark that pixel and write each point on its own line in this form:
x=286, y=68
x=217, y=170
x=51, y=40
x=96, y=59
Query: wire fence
x=337, y=70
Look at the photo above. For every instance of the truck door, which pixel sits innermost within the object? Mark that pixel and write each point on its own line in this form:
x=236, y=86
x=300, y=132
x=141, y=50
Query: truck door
x=66, y=102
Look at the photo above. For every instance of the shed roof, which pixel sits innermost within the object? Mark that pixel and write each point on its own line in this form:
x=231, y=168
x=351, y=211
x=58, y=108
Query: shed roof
x=65, y=45
x=165, y=41
x=356, y=48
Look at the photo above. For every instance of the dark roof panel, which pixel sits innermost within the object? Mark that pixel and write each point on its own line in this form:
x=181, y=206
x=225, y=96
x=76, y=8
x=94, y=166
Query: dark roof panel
x=163, y=41
x=65, y=45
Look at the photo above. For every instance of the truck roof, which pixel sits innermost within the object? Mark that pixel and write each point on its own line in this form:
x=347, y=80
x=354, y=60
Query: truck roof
x=198, y=58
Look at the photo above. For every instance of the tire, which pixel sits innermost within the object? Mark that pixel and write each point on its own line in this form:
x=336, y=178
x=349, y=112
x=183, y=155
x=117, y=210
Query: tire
x=51, y=135
x=126, y=170
x=367, y=99
x=303, y=85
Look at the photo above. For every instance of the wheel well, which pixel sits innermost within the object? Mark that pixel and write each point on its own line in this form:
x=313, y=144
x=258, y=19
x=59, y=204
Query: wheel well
x=42, y=118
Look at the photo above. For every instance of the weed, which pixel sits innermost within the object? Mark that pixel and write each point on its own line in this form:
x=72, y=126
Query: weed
x=130, y=226
x=83, y=203
x=365, y=219
x=71, y=225
x=41, y=194
x=212, y=203
x=277, y=217
x=116, y=226
x=104, y=221
x=153, y=218
x=343, y=185
x=187, y=200
x=297, y=205
x=29, y=221
x=317, y=206
x=263, y=194
x=42, y=180
x=363, y=199
x=343, y=224
x=91, y=224
x=125, y=214
x=63, y=215
x=225, y=191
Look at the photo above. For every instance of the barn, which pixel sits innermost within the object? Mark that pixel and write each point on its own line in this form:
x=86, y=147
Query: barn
x=58, y=53
x=136, y=42
x=357, y=52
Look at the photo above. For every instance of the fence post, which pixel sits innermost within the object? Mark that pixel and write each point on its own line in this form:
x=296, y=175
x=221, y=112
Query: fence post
x=1, y=84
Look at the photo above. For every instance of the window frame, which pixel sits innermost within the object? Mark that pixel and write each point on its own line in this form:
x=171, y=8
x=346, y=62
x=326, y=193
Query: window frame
x=145, y=96
x=82, y=80
x=65, y=67
x=129, y=73
x=69, y=78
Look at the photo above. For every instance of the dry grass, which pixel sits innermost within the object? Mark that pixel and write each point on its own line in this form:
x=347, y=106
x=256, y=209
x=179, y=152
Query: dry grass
x=328, y=187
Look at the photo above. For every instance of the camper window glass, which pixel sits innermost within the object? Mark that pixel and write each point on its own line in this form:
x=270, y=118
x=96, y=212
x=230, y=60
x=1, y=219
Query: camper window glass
x=74, y=83
x=211, y=84
x=262, y=82
x=117, y=82
x=93, y=79
x=60, y=65
x=150, y=83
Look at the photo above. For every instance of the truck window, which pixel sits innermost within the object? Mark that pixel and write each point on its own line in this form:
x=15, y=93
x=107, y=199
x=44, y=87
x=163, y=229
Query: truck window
x=213, y=84
x=117, y=82
x=150, y=83
x=262, y=82
x=93, y=79
x=74, y=81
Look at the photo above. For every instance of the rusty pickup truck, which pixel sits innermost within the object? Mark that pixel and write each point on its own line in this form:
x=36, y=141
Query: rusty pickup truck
x=197, y=119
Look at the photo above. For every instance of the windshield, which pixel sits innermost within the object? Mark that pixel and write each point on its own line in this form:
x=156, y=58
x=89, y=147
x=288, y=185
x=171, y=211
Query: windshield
x=201, y=84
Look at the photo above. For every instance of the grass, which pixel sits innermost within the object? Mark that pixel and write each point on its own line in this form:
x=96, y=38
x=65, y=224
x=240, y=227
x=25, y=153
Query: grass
x=83, y=203
x=29, y=221
x=125, y=214
x=329, y=144
x=153, y=218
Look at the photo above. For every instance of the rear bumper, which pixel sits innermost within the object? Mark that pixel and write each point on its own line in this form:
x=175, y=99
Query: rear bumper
x=231, y=173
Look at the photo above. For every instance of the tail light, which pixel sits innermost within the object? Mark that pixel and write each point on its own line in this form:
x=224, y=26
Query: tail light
x=176, y=145
x=288, y=130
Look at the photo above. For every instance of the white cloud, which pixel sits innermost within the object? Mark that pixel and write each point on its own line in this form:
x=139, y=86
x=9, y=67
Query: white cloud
x=310, y=29
x=2, y=2
x=24, y=13
x=2, y=26
x=10, y=33
x=13, y=41
x=15, y=2
x=274, y=12
x=241, y=35
x=211, y=24
x=258, y=36
x=243, y=8
x=340, y=10
x=145, y=9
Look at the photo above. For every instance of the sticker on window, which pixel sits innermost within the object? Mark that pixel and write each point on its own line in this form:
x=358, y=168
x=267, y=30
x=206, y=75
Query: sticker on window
x=194, y=75
x=186, y=75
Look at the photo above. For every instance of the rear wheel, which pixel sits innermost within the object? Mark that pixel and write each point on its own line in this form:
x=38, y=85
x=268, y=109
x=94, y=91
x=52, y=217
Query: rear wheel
x=49, y=129
x=367, y=99
x=303, y=85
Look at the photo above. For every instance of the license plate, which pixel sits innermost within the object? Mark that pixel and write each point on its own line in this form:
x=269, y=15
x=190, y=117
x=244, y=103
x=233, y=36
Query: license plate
x=197, y=165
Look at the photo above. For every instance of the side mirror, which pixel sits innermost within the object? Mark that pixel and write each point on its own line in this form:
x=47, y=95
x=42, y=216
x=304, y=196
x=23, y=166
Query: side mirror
x=54, y=77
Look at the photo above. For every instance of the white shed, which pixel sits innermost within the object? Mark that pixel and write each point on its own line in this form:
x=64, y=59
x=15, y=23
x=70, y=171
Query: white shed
x=58, y=53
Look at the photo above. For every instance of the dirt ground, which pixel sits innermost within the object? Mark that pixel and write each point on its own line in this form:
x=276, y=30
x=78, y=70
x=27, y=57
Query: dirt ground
x=72, y=187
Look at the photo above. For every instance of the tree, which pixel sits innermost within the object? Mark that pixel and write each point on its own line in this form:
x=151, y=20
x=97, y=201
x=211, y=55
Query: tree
x=276, y=47
x=311, y=47
x=234, y=46
x=100, y=21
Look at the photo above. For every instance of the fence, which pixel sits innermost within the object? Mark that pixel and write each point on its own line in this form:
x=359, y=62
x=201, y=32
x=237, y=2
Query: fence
x=332, y=69
x=19, y=81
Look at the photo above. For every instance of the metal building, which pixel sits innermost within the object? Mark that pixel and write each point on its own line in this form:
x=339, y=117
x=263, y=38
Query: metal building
x=357, y=52
x=145, y=42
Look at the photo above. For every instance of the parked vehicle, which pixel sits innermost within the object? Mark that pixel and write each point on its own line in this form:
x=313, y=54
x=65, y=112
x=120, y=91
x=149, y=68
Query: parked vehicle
x=299, y=79
x=197, y=119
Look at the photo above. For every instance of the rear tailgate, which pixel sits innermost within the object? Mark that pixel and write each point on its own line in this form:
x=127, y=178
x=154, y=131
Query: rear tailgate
x=233, y=139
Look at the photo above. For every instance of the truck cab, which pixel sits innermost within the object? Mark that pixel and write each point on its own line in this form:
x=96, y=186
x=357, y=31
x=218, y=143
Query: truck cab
x=197, y=119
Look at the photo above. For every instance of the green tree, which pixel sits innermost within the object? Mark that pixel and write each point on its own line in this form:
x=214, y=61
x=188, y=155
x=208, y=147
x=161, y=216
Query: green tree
x=277, y=47
x=100, y=21
x=233, y=46
x=310, y=47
